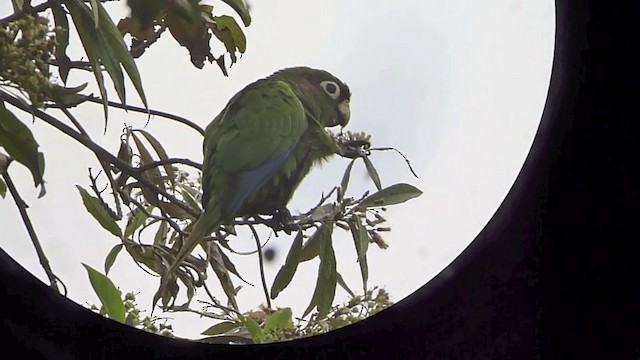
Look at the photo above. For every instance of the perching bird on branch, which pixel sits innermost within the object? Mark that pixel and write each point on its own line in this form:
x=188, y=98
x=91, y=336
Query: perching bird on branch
x=261, y=146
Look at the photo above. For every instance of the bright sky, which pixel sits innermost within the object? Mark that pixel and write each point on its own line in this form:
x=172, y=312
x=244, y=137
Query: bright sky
x=458, y=86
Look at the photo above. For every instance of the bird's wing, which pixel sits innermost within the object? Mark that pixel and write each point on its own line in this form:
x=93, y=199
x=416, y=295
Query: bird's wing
x=248, y=143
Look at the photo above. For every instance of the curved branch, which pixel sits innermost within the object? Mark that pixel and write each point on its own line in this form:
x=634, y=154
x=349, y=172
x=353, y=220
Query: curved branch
x=153, y=164
x=99, y=151
x=189, y=123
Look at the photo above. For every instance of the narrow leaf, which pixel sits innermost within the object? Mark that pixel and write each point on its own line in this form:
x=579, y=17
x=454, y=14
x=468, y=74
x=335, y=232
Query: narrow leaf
x=92, y=44
x=217, y=264
x=373, y=173
x=136, y=219
x=394, y=194
x=145, y=158
x=162, y=154
x=108, y=294
x=345, y=178
x=361, y=240
x=286, y=272
x=221, y=328
x=111, y=258
x=344, y=285
x=62, y=40
x=95, y=208
x=3, y=189
x=311, y=248
x=281, y=319
x=113, y=37
x=94, y=10
x=325, y=289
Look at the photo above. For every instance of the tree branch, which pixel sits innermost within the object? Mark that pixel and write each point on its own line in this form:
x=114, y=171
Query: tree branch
x=30, y=11
x=22, y=208
x=99, y=151
x=189, y=123
x=153, y=164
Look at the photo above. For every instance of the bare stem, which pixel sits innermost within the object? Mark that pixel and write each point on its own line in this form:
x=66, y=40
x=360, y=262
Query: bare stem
x=261, y=261
x=22, y=208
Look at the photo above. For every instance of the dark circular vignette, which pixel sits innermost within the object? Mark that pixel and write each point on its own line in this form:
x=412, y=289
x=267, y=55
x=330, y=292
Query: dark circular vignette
x=548, y=277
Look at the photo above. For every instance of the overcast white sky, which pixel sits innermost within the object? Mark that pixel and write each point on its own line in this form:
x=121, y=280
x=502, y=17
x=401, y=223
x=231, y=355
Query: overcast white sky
x=458, y=86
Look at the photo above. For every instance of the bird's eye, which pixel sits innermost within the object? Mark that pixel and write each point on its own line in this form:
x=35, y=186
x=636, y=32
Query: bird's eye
x=331, y=88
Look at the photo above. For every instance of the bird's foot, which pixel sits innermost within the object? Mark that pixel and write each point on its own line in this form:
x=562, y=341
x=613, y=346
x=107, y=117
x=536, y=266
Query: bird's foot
x=283, y=221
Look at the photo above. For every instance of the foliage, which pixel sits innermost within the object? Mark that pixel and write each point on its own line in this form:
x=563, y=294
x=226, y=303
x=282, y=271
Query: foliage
x=156, y=197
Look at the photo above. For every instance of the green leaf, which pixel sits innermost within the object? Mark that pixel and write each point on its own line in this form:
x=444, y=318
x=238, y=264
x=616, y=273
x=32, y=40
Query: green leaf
x=145, y=157
x=281, y=319
x=92, y=43
x=3, y=189
x=94, y=10
x=19, y=143
x=394, y=194
x=108, y=294
x=373, y=173
x=95, y=208
x=325, y=289
x=221, y=328
x=114, y=38
x=17, y=5
x=311, y=248
x=344, y=285
x=345, y=178
x=111, y=257
x=136, y=219
x=361, y=240
x=162, y=154
x=253, y=328
x=217, y=264
x=286, y=272
x=227, y=30
x=241, y=8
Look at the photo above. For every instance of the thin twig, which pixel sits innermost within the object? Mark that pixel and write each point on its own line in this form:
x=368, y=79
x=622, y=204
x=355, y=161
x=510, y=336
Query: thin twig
x=96, y=149
x=22, y=208
x=261, y=262
x=30, y=11
x=153, y=164
x=105, y=167
x=191, y=124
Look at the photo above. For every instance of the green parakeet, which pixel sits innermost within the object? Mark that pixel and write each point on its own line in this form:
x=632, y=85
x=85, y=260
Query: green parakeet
x=263, y=143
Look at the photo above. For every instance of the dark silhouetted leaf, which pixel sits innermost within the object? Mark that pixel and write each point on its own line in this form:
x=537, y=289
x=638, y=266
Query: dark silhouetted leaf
x=136, y=219
x=217, y=264
x=394, y=194
x=95, y=208
x=286, y=272
x=3, y=189
x=162, y=154
x=241, y=8
x=62, y=40
x=107, y=293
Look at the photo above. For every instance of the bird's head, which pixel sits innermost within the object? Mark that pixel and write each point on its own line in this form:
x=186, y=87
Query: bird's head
x=324, y=96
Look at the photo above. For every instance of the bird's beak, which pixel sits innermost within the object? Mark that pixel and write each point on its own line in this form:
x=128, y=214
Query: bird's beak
x=345, y=112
